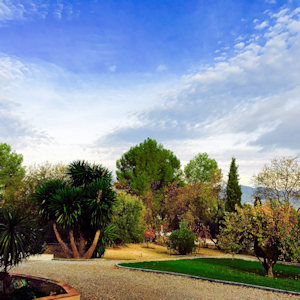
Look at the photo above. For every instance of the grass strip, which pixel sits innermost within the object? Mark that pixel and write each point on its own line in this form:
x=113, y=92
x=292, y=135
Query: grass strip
x=236, y=270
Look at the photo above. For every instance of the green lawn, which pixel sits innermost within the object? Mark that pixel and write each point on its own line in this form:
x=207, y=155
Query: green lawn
x=237, y=270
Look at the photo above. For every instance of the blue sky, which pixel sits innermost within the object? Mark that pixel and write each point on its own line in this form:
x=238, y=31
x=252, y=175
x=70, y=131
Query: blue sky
x=89, y=79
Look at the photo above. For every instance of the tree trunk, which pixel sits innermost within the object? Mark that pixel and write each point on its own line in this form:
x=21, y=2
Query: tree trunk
x=73, y=244
x=91, y=250
x=65, y=248
x=268, y=266
x=270, y=272
x=81, y=245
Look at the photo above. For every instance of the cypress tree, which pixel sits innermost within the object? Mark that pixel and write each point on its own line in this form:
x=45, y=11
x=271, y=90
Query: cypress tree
x=233, y=190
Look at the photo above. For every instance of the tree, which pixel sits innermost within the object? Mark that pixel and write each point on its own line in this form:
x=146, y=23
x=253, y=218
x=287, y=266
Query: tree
x=148, y=167
x=11, y=170
x=37, y=175
x=194, y=203
x=128, y=218
x=279, y=180
x=81, y=205
x=19, y=238
x=201, y=168
x=272, y=229
x=233, y=189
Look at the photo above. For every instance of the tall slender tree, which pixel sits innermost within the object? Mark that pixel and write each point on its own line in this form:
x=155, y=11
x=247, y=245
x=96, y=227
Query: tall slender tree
x=233, y=190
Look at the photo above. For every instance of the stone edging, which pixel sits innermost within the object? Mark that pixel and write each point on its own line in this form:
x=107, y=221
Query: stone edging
x=71, y=293
x=212, y=280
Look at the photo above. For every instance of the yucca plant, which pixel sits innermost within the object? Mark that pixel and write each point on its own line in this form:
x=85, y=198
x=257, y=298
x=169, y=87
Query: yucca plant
x=81, y=205
x=19, y=238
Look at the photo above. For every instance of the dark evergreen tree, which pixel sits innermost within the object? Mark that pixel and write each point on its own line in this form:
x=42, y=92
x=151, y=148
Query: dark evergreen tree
x=145, y=170
x=148, y=167
x=233, y=190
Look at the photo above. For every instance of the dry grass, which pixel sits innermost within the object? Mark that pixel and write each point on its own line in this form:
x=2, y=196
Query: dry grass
x=137, y=252
x=140, y=251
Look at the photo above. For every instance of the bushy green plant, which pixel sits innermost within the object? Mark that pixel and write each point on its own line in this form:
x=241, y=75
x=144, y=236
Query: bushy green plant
x=182, y=240
x=19, y=238
x=128, y=218
x=107, y=237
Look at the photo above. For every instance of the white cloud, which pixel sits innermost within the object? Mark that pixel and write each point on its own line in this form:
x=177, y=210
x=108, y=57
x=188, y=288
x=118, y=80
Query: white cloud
x=161, y=68
x=11, y=11
x=112, y=68
x=23, y=10
x=58, y=11
x=262, y=25
x=239, y=45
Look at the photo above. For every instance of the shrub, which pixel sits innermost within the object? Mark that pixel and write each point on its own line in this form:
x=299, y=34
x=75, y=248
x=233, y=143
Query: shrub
x=182, y=240
x=128, y=218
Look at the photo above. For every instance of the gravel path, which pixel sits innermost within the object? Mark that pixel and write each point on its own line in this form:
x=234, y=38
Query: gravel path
x=103, y=280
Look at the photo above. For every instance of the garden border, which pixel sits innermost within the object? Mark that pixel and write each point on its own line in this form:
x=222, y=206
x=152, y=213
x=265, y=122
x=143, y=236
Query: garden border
x=71, y=293
x=269, y=289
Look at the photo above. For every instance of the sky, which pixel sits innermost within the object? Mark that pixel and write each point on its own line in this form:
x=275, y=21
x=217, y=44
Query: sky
x=88, y=79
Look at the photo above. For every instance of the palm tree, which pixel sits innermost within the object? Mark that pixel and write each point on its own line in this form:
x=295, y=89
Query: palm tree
x=82, y=206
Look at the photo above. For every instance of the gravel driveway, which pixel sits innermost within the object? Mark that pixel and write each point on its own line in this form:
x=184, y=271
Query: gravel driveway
x=103, y=280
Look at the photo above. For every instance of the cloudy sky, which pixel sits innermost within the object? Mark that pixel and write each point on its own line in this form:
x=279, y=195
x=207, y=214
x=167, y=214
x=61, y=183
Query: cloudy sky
x=88, y=79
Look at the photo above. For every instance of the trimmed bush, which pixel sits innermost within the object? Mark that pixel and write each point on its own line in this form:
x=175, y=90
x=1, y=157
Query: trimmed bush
x=182, y=240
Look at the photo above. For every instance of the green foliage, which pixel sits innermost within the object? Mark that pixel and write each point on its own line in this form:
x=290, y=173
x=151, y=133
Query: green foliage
x=19, y=238
x=108, y=237
x=128, y=218
x=233, y=190
x=11, y=170
x=182, y=240
x=227, y=269
x=148, y=166
x=83, y=174
x=272, y=230
x=201, y=168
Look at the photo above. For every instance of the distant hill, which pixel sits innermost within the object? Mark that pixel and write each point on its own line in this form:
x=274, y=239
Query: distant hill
x=247, y=192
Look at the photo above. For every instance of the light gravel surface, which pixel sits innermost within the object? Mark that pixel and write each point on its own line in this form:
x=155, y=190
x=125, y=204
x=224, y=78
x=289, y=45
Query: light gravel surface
x=101, y=279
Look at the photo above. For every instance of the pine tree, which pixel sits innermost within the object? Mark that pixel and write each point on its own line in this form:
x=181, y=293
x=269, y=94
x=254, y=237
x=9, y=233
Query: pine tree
x=233, y=190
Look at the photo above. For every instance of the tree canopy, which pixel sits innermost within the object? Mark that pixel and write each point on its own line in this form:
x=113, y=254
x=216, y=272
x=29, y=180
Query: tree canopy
x=194, y=203
x=201, y=168
x=233, y=189
x=11, y=170
x=279, y=180
x=148, y=167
